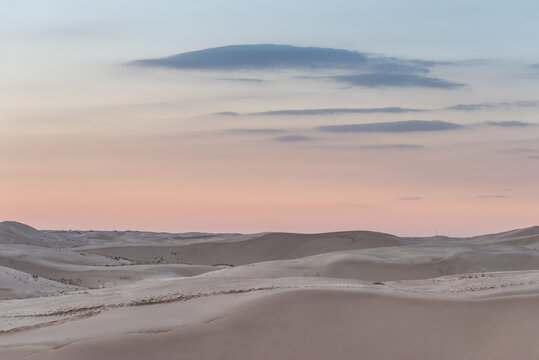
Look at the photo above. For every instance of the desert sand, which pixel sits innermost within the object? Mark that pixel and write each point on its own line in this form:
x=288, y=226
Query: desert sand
x=343, y=295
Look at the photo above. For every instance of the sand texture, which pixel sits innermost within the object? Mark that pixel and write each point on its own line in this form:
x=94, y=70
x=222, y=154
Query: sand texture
x=343, y=295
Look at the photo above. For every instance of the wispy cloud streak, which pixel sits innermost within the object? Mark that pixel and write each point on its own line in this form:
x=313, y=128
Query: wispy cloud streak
x=293, y=138
x=392, y=127
x=487, y=106
x=257, y=131
x=396, y=80
x=387, y=110
x=333, y=111
x=392, y=147
x=509, y=123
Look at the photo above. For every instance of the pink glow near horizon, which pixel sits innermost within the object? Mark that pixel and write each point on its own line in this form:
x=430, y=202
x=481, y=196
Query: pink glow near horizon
x=282, y=193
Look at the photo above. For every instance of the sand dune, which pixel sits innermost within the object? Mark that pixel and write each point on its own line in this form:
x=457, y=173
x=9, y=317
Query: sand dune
x=89, y=237
x=395, y=263
x=16, y=284
x=12, y=232
x=283, y=318
x=346, y=295
x=323, y=324
x=528, y=237
x=251, y=249
x=86, y=270
x=46, y=258
x=101, y=276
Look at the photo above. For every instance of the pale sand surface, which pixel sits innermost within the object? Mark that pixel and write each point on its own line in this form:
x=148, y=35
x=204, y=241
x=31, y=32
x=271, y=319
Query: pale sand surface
x=348, y=295
x=395, y=263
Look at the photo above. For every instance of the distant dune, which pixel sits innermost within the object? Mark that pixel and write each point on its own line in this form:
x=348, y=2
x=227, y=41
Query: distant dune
x=528, y=237
x=16, y=233
x=250, y=249
x=344, y=295
x=395, y=263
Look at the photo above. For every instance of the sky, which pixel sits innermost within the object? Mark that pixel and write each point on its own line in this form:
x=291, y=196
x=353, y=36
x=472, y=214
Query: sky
x=410, y=118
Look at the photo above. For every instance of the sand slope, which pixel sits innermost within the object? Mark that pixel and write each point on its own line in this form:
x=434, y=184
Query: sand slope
x=16, y=284
x=283, y=318
x=528, y=237
x=12, y=232
x=395, y=263
x=251, y=249
x=85, y=270
x=345, y=295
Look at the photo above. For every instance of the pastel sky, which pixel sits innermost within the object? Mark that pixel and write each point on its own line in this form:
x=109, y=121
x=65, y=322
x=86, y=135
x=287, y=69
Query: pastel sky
x=407, y=117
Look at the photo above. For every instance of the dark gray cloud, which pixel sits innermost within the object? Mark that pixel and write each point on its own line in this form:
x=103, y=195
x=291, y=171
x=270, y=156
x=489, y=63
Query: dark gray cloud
x=534, y=157
x=333, y=111
x=376, y=71
x=271, y=56
x=293, y=138
x=491, y=196
x=509, y=123
x=534, y=66
x=486, y=106
x=393, y=127
x=410, y=198
x=396, y=80
x=260, y=56
x=257, y=131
